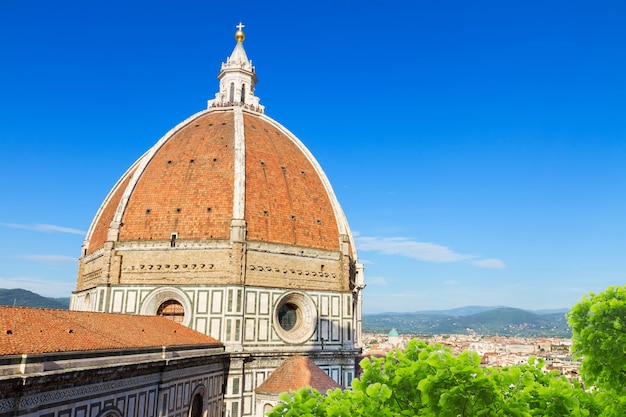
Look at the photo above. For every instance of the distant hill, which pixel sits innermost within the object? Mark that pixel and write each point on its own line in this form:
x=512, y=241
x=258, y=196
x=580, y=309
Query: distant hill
x=488, y=321
x=460, y=311
x=469, y=310
x=24, y=298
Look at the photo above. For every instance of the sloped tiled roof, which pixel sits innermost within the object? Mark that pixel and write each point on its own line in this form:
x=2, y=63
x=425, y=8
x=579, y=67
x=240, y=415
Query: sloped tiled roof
x=295, y=373
x=37, y=330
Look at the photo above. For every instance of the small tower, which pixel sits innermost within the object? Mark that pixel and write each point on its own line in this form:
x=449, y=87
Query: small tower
x=394, y=338
x=237, y=79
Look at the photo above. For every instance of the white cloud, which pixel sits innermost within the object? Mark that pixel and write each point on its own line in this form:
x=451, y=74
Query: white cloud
x=491, y=263
x=424, y=251
x=49, y=259
x=382, y=281
x=43, y=228
x=451, y=282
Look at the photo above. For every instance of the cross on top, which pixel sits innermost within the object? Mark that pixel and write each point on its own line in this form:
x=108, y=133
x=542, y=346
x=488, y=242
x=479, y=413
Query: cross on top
x=240, y=26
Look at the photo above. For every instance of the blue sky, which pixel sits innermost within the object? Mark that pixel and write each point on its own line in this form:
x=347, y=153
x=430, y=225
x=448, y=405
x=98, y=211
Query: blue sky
x=478, y=148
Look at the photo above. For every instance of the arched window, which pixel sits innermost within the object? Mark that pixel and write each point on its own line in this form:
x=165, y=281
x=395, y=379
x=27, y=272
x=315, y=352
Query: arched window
x=232, y=93
x=197, y=406
x=243, y=93
x=110, y=412
x=157, y=302
x=172, y=310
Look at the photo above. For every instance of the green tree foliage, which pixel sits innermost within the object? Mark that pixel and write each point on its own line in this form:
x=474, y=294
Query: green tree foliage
x=429, y=380
x=599, y=336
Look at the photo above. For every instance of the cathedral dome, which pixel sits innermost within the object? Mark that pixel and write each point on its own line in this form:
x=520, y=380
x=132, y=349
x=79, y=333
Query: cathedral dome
x=223, y=164
x=228, y=225
x=227, y=197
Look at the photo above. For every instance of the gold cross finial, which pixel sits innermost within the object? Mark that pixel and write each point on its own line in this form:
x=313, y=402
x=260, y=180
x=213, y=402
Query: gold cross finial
x=239, y=35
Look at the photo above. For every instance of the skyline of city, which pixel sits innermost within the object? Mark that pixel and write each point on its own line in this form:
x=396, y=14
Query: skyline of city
x=477, y=152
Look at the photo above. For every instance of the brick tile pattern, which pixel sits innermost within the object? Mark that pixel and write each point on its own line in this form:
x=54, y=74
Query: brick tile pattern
x=38, y=330
x=101, y=228
x=187, y=187
x=295, y=373
x=286, y=201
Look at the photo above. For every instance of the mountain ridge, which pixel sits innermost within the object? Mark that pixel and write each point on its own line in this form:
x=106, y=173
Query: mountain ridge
x=503, y=321
x=24, y=298
x=469, y=310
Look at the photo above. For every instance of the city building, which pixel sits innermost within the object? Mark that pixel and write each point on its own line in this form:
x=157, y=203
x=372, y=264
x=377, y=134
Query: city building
x=229, y=226
x=59, y=363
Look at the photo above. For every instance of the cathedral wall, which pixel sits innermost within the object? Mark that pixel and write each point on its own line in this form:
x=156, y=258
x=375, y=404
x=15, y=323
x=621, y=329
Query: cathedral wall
x=288, y=271
x=158, y=263
x=142, y=389
x=237, y=315
x=178, y=266
x=92, y=270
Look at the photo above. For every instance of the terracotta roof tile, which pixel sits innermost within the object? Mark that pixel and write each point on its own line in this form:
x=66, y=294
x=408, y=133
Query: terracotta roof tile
x=286, y=201
x=187, y=187
x=35, y=330
x=101, y=227
x=295, y=373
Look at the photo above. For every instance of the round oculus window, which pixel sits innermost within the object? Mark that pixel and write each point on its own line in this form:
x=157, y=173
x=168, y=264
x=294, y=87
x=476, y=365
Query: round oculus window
x=295, y=317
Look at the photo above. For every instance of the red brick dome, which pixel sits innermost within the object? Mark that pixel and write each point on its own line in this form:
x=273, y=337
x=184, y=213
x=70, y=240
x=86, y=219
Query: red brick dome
x=223, y=164
x=227, y=197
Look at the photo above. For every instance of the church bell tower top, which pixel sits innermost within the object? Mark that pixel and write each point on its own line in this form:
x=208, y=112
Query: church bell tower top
x=237, y=79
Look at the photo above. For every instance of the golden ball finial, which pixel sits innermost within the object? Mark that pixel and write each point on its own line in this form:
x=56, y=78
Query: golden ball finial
x=239, y=35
